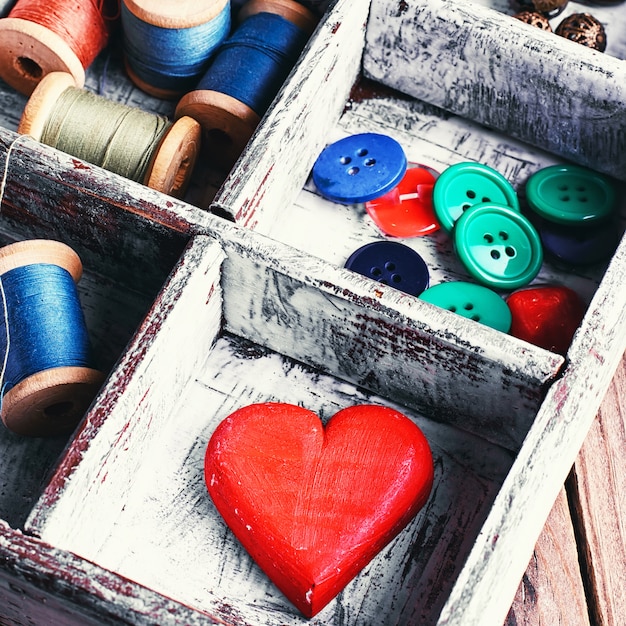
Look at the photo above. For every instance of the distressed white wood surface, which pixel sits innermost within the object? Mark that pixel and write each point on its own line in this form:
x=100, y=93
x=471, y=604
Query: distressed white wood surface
x=130, y=493
x=501, y=551
x=389, y=342
x=480, y=63
x=115, y=290
x=505, y=542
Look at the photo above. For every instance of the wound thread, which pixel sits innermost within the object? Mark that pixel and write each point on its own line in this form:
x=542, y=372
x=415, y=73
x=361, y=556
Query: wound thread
x=252, y=64
x=167, y=56
x=83, y=26
x=45, y=321
x=117, y=137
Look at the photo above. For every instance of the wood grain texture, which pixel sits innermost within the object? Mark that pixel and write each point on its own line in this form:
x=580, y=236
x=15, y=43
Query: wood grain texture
x=551, y=591
x=483, y=65
x=599, y=494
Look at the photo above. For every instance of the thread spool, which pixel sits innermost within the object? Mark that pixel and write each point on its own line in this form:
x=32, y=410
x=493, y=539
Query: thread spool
x=167, y=47
x=37, y=38
x=245, y=75
x=136, y=144
x=48, y=381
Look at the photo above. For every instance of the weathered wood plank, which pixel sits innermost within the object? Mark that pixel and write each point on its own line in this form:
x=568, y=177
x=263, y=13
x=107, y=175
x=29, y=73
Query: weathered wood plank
x=386, y=341
x=599, y=495
x=551, y=591
x=487, y=67
x=43, y=586
x=163, y=367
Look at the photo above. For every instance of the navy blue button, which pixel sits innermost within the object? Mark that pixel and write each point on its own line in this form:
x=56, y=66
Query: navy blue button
x=579, y=245
x=393, y=264
x=359, y=168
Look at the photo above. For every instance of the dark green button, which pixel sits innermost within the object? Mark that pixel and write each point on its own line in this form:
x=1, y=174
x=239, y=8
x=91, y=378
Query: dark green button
x=463, y=185
x=498, y=246
x=476, y=302
x=570, y=194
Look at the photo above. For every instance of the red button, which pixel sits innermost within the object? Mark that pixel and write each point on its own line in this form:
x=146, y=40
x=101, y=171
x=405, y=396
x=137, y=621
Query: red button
x=546, y=316
x=407, y=210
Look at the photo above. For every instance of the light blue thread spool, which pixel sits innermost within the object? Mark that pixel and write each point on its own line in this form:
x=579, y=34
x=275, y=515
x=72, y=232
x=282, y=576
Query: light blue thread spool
x=167, y=49
x=47, y=378
x=245, y=75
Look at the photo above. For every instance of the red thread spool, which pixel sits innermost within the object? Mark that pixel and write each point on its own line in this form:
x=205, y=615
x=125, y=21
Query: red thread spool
x=37, y=38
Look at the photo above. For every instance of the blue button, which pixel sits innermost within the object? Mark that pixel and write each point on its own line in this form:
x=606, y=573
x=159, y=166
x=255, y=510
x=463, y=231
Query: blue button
x=359, y=168
x=393, y=264
x=579, y=245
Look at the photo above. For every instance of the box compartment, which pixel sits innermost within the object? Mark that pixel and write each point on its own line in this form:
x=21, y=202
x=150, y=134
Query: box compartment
x=236, y=324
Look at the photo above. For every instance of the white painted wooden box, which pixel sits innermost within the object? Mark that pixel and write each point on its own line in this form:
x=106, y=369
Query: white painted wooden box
x=193, y=316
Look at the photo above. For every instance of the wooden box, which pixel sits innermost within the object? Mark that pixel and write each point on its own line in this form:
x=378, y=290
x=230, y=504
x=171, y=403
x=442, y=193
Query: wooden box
x=237, y=294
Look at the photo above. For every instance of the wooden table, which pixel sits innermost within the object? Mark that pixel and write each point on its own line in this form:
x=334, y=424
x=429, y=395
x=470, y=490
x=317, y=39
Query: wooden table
x=577, y=574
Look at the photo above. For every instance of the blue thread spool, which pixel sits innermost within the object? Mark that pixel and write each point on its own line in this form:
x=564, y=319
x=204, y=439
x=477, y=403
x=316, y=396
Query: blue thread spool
x=168, y=44
x=245, y=75
x=48, y=381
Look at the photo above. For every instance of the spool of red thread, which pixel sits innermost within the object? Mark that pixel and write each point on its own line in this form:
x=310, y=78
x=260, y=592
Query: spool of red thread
x=38, y=37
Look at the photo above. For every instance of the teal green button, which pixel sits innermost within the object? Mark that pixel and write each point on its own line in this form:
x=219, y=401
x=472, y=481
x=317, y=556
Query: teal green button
x=570, y=194
x=475, y=302
x=498, y=246
x=463, y=185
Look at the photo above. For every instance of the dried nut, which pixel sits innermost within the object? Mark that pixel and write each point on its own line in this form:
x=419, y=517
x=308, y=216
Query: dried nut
x=549, y=8
x=583, y=29
x=534, y=19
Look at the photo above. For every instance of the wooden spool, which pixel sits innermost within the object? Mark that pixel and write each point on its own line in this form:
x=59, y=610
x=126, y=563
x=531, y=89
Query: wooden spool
x=175, y=14
x=227, y=123
x=29, y=51
x=53, y=401
x=173, y=161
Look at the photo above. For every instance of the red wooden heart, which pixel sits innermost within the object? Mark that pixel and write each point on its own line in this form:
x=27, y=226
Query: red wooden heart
x=313, y=504
x=546, y=316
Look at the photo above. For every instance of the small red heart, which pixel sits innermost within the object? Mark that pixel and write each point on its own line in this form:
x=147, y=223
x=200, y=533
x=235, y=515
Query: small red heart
x=546, y=316
x=312, y=504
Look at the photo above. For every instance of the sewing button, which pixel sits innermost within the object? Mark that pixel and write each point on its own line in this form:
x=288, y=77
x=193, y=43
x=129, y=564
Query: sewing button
x=407, y=210
x=570, y=194
x=546, y=316
x=359, y=167
x=475, y=302
x=391, y=263
x=498, y=246
x=463, y=185
x=579, y=245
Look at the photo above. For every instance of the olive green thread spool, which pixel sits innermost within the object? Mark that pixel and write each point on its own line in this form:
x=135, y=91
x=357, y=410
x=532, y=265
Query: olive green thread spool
x=128, y=141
